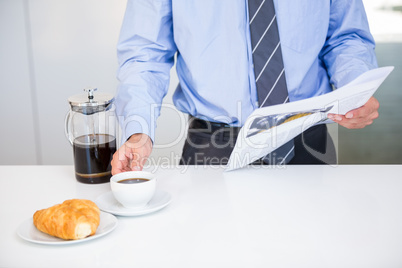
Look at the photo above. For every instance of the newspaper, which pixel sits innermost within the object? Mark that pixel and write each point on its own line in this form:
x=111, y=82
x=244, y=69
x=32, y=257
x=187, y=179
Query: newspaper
x=266, y=129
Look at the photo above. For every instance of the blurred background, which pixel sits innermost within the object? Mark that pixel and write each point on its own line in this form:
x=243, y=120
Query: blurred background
x=51, y=50
x=380, y=143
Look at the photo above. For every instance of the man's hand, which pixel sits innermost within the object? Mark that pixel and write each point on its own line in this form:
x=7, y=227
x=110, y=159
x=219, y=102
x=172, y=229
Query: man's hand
x=133, y=154
x=360, y=117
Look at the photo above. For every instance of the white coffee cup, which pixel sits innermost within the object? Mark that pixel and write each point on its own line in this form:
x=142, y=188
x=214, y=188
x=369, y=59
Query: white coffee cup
x=132, y=194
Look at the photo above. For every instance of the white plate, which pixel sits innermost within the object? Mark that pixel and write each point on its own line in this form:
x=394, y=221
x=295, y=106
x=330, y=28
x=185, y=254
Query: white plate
x=29, y=232
x=108, y=203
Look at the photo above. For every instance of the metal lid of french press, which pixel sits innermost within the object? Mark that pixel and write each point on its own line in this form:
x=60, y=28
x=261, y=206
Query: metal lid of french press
x=90, y=103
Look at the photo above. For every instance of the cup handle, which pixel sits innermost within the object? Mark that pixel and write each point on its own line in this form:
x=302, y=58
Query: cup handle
x=67, y=128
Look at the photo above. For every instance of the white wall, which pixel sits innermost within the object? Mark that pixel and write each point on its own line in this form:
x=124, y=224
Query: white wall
x=17, y=116
x=50, y=50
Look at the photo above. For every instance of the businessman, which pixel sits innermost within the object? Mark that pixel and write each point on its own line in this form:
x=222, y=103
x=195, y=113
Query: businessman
x=233, y=56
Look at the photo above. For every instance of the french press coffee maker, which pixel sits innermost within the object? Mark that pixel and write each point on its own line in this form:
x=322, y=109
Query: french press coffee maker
x=91, y=129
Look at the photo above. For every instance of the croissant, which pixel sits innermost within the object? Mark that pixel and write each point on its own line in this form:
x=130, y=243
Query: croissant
x=73, y=219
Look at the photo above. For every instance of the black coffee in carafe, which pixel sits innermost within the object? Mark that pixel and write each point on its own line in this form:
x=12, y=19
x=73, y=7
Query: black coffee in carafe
x=92, y=157
x=91, y=129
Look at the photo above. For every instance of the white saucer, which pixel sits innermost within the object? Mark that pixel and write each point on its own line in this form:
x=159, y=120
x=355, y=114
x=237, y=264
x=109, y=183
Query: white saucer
x=108, y=203
x=29, y=232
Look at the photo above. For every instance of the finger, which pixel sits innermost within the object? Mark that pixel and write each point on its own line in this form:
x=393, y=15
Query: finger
x=120, y=162
x=358, y=113
x=125, y=153
x=138, y=161
x=369, y=109
x=355, y=123
x=360, y=118
x=117, y=165
x=335, y=117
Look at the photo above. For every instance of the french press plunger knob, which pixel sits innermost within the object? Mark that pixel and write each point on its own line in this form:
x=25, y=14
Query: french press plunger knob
x=90, y=91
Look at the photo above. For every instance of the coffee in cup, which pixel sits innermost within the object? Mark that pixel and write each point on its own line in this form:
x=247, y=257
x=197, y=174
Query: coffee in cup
x=133, y=189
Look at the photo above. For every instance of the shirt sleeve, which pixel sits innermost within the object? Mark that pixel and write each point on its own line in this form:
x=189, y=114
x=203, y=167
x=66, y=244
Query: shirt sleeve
x=145, y=53
x=349, y=47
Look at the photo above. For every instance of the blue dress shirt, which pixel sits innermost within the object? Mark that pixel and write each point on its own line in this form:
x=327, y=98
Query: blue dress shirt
x=324, y=43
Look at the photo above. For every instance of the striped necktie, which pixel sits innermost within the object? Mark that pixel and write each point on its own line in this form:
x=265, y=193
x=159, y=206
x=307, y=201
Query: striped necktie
x=268, y=66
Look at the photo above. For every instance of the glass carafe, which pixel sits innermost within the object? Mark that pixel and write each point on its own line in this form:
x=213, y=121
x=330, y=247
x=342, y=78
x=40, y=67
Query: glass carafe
x=91, y=129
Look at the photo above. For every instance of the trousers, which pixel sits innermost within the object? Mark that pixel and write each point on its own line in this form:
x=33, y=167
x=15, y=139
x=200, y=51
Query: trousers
x=210, y=143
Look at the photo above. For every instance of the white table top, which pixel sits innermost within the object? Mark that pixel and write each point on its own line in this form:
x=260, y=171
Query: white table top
x=297, y=216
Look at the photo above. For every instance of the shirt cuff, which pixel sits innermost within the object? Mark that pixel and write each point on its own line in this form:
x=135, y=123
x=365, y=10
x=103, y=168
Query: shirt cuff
x=134, y=125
